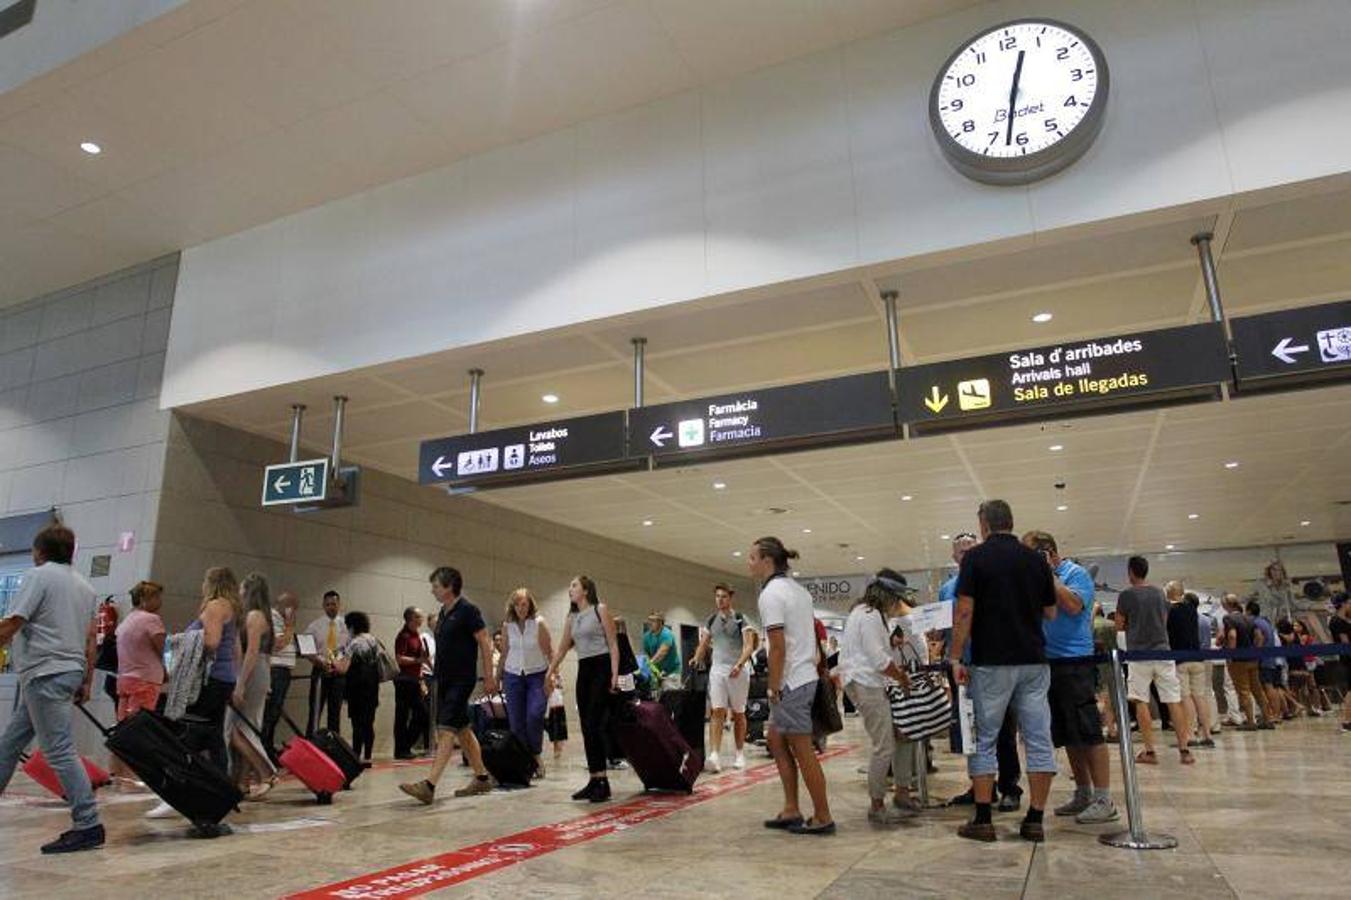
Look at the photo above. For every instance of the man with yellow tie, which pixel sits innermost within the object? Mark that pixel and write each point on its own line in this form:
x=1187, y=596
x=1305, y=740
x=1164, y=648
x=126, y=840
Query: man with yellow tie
x=328, y=681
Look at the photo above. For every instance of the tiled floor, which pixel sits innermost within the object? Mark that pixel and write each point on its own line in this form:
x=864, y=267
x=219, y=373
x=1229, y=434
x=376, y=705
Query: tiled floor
x=1265, y=815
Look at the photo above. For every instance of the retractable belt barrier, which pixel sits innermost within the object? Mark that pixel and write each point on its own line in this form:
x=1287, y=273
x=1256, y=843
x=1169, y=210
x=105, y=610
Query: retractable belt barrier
x=1241, y=653
x=1135, y=837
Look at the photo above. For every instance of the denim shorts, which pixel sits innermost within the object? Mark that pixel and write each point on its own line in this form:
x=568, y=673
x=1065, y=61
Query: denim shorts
x=996, y=689
x=793, y=713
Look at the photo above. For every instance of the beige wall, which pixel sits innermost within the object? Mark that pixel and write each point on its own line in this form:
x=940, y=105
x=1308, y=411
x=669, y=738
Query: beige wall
x=379, y=553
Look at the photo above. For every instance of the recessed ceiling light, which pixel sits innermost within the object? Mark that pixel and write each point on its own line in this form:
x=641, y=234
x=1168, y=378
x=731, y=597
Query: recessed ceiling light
x=1042, y=318
x=1056, y=448
x=736, y=552
x=1305, y=524
x=91, y=148
x=1193, y=516
x=906, y=498
x=945, y=537
x=1168, y=546
x=1061, y=508
x=859, y=558
x=1232, y=464
x=550, y=398
x=719, y=485
x=795, y=574
x=647, y=523
x=806, y=531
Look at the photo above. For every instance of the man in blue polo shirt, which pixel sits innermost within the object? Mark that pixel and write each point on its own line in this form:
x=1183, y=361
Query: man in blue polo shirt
x=1076, y=723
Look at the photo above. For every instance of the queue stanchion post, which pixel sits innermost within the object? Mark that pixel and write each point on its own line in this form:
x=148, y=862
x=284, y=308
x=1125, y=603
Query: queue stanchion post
x=922, y=772
x=1135, y=837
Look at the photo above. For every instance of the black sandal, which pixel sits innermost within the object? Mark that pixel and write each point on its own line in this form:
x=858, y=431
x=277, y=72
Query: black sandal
x=810, y=827
x=784, y=824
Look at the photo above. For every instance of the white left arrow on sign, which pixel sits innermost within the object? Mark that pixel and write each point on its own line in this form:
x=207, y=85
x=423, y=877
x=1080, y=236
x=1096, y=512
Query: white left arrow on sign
x=1286, y=353
x=281, y=484
x=440, y=466
x=660, y=436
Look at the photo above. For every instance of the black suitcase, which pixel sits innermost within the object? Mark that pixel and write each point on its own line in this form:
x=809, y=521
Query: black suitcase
x=507, y=758
x=687, y=711
x=655, y=748
x=154, y=749
x=757, y=714
x=341, y=752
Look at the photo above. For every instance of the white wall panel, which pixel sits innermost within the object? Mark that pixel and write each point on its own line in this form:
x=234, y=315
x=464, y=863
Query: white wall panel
x=1281, y=80
x=818, y=165
x=780, y=194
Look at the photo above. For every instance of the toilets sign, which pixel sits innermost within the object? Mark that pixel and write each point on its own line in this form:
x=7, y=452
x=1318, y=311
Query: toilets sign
x=837, y=410
x=584, y=445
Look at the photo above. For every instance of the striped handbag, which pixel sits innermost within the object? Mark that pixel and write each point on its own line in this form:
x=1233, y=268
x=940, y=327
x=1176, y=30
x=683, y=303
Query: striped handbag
x=923, y=710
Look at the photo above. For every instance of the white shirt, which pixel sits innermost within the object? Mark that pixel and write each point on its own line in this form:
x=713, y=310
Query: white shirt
x=429, y=642
x=283, y=656
x=318, y=629
x=524, y=657
x=865, y=648
x=786, y=604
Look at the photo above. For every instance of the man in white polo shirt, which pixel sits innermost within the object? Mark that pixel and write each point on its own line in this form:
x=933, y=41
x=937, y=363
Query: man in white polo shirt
x=730, y=639
x=790, y=631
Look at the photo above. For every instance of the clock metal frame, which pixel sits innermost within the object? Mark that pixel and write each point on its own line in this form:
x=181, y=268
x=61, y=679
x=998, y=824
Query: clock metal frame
x=1015, y=170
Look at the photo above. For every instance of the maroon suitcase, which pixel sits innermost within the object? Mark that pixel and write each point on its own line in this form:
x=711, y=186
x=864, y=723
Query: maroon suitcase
x=654, y=747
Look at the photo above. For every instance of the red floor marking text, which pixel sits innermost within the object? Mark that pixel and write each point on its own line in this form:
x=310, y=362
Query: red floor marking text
x=414, y=879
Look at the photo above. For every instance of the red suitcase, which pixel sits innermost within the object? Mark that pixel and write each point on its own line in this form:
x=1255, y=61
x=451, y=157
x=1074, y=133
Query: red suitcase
x=313, y=767
x=308, y=763
x=37, y=768
x=663, y=760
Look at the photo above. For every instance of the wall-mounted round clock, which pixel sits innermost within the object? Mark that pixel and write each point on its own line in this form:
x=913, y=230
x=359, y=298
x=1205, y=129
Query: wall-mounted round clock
x=1020, y=101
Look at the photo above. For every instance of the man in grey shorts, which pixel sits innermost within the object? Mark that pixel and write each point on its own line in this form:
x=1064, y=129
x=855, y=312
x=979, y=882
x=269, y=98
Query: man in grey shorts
x=790, y=629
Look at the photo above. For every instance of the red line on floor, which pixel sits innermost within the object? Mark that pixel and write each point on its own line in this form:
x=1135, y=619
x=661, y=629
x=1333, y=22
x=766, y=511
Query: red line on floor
x=419, y=877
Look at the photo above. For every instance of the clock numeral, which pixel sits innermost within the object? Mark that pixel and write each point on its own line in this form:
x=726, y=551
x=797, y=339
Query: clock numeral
x=969, y=126
x=1008, y=43
x=966, y=80
x=1062, y=53
x=980, y=56
x=1070, y=101
x=956, y=104
x=1051, y=125
x=1020, y=138
x=994, y=136
x=1076, y=74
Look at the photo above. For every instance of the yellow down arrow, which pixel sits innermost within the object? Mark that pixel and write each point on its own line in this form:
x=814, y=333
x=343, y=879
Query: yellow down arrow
x=936, y=400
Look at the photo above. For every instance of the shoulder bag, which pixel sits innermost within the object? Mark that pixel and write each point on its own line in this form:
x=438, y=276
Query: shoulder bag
x=923, y=710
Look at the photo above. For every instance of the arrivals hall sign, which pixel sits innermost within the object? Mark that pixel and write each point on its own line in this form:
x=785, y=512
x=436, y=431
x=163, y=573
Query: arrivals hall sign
x=1066, y=378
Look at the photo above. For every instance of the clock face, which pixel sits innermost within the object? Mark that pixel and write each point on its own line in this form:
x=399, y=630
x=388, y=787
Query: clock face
x=1020, y=101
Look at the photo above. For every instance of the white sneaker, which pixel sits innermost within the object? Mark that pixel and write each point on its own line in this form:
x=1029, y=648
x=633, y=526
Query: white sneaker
x=712, y=763
x=163, y=811
x=1099, y=811
x=740, y=761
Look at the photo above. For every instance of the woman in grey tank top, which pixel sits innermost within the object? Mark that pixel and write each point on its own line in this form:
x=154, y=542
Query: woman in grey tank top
x=591, y=630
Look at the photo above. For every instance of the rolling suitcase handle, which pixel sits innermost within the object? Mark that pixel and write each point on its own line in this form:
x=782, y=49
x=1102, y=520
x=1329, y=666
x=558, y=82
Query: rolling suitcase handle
x=91, y=717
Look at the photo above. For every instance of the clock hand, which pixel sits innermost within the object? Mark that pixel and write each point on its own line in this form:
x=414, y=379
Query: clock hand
x=1013, y=95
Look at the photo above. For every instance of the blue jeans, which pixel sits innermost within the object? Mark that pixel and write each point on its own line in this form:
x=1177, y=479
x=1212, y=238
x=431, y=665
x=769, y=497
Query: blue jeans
x=995, y=690
x=46, y=705
x=526, y=705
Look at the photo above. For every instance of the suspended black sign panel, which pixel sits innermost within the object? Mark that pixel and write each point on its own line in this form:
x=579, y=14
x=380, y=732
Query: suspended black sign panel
x=565, y=449
x=817, y=413
x=1309, y=344
x=1145, y=369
